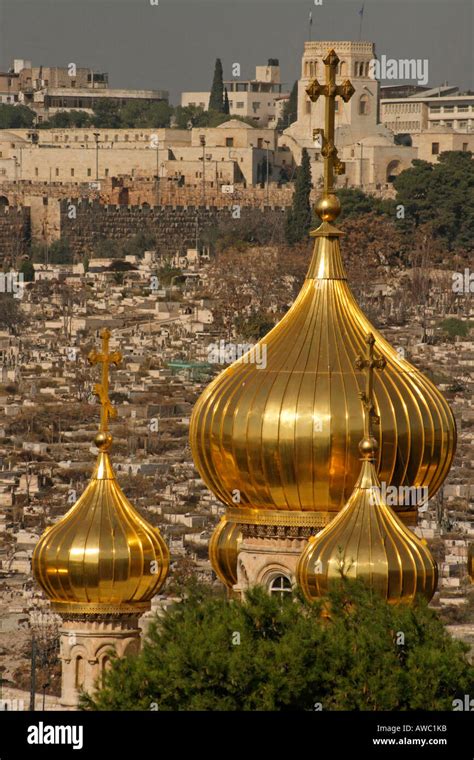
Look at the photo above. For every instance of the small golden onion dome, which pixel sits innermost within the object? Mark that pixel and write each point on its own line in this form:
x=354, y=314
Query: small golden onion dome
x=102, y=556
x=367, y=541
x=223, y=550
x=284, y=432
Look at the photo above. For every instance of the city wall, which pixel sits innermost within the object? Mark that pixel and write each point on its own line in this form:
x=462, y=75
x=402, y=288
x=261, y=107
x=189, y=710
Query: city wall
x=83, y=223
x=15, y=231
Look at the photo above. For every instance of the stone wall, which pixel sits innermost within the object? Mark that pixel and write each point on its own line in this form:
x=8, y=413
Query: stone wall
x=84, y=222
x=14, y=231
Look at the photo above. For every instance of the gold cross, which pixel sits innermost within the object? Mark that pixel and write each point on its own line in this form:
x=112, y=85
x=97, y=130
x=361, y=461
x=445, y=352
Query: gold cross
x=332, y=164
x=101, y=390
x=369, y=363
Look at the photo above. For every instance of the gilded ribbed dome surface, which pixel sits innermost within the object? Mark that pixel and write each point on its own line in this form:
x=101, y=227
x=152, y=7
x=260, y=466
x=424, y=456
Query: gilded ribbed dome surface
x=367, y=541
x=102, y=556
x=285, y=436
x=223, y=550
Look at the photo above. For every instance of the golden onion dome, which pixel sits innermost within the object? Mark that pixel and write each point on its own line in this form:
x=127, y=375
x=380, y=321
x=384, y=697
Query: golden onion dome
x=102, y=556
x=283, y=434
x=223, y=550
x=367, y=541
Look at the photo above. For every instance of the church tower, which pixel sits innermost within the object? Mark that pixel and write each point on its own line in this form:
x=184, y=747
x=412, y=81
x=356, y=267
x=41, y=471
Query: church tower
x=100, y=564
x=279, y=445
x=354, y=119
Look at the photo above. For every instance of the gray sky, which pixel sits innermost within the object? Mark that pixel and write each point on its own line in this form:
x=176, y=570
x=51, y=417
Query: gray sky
x=174, y=45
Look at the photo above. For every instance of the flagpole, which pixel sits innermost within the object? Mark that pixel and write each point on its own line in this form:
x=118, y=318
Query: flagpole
x=310, y=24
x=361, y=14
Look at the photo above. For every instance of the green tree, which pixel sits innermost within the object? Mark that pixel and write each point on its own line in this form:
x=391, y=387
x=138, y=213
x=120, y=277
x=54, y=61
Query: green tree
x=290, y=109
x=65, y=119
x=226, y=102
x=60, y=252
x=441, y=193
x=345, y=652
x=216, y=100
x=27, y=270
x=106, y=115
x=355, y=202
x=455, y=327
x=298, y=219
x=255, y=326
x=15, y=117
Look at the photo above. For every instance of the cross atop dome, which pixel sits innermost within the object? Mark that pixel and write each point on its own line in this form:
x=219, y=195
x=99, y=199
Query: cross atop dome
x=101, y=390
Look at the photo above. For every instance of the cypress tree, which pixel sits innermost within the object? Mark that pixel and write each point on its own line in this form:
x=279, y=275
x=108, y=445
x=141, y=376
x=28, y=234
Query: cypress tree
x=298, y=219
x=226, y=101
x=290, y=110
x=216, y=100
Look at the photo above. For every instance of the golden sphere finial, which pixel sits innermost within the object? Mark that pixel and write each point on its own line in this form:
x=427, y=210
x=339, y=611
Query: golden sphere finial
x=328, y=208
x=103, y=441
x=368, y=447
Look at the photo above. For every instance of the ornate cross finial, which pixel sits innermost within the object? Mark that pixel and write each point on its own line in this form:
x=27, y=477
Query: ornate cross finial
x=369, y=363
x=332, y=164
x=101, y=390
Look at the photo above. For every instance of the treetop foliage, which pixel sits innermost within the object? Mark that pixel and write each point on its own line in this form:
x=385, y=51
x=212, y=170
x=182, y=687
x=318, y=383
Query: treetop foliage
x=350, y=651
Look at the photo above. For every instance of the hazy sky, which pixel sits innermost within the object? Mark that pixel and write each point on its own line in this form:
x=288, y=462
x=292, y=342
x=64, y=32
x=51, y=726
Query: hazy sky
x=174, y=45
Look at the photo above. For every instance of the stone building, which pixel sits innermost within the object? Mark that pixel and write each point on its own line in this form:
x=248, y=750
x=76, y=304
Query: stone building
x=368, y=148
x=49, y=89
x=430, y=109
x=261, y=98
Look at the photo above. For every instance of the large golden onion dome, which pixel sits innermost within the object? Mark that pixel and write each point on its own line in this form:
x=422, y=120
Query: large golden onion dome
x=285, y=436
x=277, y=440
x=366, y=540
x=102, y=556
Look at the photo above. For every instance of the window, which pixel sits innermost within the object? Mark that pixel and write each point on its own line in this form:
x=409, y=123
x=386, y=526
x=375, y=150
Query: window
x=89, y=172
x=106, y=172
x=256, y=105
x=72, y=172
x=364, y=105
x=57, y=172
x=229, y=142
x=464, y=147
x=434, y=148
x=79, y=675
x=260, y=142
x=239, y=104
x=462, y=123
x=36, y=171
x=280, y=586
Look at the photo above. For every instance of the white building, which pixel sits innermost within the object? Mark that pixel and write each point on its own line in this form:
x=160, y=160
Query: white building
x=261, y=98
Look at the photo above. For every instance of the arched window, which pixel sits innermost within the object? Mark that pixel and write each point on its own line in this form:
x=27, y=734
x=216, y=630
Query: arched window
x=79, y=675
x=104, y=666
x=356, y=69
x=364, y=105
x=280, y=585
x=361, y=69
x=343, y=69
